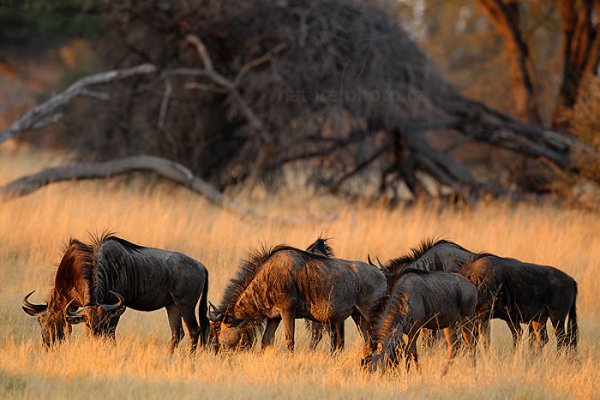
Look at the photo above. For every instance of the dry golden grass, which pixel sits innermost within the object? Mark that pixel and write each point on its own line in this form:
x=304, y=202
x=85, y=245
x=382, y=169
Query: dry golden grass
x=33, y=230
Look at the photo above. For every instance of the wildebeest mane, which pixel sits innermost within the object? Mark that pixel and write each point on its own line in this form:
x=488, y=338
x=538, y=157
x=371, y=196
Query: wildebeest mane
x=321, y=245
x=77, y=256
x=248, y=270
x=417, y=252
x=84, y=258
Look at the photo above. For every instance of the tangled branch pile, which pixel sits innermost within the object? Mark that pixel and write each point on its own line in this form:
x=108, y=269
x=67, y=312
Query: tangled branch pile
x=333, y=87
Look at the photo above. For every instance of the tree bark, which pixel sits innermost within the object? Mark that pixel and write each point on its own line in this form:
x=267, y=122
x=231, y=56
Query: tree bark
x=48, y=111
x=581, y=52
x=504, y=15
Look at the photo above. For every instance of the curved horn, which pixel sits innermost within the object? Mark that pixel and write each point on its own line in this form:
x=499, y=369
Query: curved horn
x=213, y=313
x=118, y=305
x=68, y=312
x=381, y=266
x=370, y=262
x=33, y=309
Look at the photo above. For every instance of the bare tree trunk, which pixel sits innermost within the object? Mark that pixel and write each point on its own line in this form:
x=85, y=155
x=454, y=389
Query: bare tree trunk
x=581, y=52
x=504, y=15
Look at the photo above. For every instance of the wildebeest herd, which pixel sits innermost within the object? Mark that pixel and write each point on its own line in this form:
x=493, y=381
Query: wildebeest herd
x=438, y=286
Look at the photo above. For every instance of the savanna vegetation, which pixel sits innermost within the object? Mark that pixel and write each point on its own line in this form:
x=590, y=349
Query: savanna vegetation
x=374, y=123
x=34, y=229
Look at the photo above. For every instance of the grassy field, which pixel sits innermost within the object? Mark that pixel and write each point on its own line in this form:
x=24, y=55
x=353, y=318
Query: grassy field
x=33, y=230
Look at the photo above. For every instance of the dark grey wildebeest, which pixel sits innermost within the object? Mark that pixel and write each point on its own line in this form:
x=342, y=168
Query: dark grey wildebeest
x=286, y=283
x=418, y=299
x=519, y=292
x=141, y=278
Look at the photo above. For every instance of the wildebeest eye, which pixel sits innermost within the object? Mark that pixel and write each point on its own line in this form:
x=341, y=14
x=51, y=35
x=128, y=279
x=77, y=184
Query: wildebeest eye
x=228, y=320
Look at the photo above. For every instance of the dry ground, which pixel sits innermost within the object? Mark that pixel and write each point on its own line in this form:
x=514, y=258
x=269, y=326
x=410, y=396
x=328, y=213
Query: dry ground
x=33, y=230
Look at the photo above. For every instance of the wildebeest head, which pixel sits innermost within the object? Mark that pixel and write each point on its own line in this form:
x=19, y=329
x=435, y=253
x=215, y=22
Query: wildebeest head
x=51, y=320
x=99, y=319
x=384, y=349
x=226, y=331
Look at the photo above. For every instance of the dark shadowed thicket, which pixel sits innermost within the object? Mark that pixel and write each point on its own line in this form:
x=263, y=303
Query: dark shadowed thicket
x=341, y=90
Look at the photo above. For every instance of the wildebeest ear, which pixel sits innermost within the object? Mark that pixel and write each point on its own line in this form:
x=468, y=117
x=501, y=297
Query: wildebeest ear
x=117, y=312
x=73, y=317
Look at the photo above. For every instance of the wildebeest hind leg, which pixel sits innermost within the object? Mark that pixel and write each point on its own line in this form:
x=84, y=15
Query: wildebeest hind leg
x=470, y=334
x=538, y=335
x=289, y=324
x=517, y=332
x=559, y=330
x=451, y=341
x=189, y=317
x=175, y=324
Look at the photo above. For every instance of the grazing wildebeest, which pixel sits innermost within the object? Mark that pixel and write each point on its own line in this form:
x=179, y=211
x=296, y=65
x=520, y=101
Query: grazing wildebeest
x=418, y=299
x=248, y=333
x=141, y=278
x=433, y=255
x=286, y=283
x=519, y=292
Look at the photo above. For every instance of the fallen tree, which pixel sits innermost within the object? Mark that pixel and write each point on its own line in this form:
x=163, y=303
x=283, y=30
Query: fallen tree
x=236, y=93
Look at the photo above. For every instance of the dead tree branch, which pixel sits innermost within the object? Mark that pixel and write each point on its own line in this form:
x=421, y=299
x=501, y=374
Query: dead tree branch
x=230, y=86
x=168, y=169
x=44, y=113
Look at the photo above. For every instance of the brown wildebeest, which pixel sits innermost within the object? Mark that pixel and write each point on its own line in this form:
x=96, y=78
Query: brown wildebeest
x=286, y=283
x=249, y=332
x=519, y=292
x=141, y=278
x=418, y=299
x=336, y=330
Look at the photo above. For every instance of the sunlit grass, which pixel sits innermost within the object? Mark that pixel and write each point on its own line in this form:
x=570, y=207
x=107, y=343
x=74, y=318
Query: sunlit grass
x=33, y=230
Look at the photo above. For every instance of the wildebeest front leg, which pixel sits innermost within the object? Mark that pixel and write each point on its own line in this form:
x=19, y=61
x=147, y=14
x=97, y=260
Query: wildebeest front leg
x=411, y=349
x=337, y=335
x=289, y=324
x=316, y=333
x=269, y=335
x=175, y=324
x=363, y=327
x=484, y=333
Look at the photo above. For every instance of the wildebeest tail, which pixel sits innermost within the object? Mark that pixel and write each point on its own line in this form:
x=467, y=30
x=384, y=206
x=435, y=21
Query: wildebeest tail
x=203, y=314
x=572, y=328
